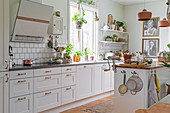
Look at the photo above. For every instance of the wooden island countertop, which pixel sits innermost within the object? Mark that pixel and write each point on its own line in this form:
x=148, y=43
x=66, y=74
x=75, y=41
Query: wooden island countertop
x=147, y=67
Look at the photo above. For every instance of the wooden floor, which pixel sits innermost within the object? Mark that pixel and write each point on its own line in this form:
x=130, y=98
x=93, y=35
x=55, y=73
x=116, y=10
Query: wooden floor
x=79, y=109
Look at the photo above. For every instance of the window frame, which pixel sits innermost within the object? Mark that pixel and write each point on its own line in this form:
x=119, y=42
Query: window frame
x=95, y=26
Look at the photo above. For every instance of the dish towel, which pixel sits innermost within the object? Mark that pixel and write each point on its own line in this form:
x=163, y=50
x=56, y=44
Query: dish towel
x=157, y=85
x=152, y=96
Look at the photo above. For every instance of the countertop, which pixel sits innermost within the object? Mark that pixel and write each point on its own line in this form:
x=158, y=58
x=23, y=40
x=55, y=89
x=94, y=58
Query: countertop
x=46, y=65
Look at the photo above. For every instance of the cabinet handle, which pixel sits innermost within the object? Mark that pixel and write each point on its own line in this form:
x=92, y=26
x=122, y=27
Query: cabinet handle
x=7, y=79
x=22, y=81
x=68, y=88
x=47, y=93
x=46, y=78
x=48, y=71
x=20, y=99
x=6, y=64
x=68, y=75
x=21, y=74
x=68, y=69
x=85, y=66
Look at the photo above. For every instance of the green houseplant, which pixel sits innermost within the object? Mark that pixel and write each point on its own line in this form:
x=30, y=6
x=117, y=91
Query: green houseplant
x=79, y=17
x=119, y=24
x=100, y=56
x=109, y=38
x=69, y=50
x=115, y=38
x=92, y=55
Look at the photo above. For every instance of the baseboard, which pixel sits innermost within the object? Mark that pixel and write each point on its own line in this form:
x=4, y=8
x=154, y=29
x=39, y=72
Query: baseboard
x=79, y=103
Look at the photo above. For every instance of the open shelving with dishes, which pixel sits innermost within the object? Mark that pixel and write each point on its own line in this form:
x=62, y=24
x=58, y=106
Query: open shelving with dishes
x=122, y=44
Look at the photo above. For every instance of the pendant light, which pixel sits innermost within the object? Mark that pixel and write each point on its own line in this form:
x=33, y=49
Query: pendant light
x=144, y=15
x=164, y=22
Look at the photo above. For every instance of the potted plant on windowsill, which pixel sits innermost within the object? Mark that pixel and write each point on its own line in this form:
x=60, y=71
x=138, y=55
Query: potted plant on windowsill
x=79, y=56
x=69, y=50
x=92, y=55
x=86, y=53
x=119, y=25
x=100, y=56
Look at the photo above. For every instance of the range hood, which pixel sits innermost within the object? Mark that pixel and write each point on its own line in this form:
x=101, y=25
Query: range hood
x=32, y=22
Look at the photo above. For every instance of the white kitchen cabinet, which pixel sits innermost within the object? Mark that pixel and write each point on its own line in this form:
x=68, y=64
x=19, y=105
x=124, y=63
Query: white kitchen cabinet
x=84, y=81
x=21, y=87
x=4, y=97
x=106, y=81
x=4, y=34
x=68, y=94
x=68, y=79
x=21, y=74
x=47, y=83
x=47, y=100
x=23, y=104
x=47, y=71
x=97, y=79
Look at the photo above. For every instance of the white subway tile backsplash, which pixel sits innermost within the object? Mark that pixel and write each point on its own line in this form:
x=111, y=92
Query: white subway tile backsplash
x=38, y=51
x=17, y=45
x=24, y=50
x=20, y=50
x=22, y=56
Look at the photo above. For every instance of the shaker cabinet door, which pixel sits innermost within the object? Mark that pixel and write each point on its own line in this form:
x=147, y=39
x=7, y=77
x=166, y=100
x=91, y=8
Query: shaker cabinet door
x=84, y=81
x=4, y=86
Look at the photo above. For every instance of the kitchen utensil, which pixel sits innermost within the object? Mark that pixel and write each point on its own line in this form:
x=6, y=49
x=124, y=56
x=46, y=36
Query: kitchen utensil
x=123, y=88
x=134, y=83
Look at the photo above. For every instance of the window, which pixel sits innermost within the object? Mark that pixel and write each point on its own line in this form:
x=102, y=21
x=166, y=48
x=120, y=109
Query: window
x=88, y=31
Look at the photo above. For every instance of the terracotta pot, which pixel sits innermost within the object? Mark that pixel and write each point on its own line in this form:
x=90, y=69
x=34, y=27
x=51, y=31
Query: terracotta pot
x=92, y=58
x=69, y=57
x=118, y=28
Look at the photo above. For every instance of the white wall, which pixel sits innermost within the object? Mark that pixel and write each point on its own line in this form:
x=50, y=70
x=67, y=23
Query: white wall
x=134, y=27
x=62, y=6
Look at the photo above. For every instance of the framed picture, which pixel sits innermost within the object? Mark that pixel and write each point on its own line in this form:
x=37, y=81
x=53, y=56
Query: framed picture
x=150, y=47
x=151, y=28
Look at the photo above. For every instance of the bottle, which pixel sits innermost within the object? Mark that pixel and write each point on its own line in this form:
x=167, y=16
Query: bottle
x=75, y=58
x=78, y=58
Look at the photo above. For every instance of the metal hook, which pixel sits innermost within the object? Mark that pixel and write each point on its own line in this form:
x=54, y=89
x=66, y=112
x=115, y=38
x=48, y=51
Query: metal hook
x=134, y=73
x=123, y=71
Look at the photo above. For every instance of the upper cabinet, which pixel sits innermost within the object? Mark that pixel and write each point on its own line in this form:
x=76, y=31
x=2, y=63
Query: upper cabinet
x=4, y=34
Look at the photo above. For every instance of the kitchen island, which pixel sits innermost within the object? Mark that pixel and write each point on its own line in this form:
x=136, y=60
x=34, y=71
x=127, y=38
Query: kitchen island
x=130, y=102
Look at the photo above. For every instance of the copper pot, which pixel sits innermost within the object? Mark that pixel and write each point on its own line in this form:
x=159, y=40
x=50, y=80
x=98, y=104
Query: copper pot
x=28, y=62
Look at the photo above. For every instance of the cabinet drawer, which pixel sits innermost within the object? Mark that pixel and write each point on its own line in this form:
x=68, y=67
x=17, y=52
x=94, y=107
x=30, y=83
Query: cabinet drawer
x=68, y=79
x=48, y=71
x=85, y=67
x=47, y=100
x=21, y=87
x=68, y=95
x=22, y=104
x=21, y=74
x=68, y=69
x=47, y=83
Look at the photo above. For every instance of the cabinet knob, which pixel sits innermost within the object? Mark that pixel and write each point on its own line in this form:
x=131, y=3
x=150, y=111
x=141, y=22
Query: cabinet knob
x=68, y=88
x=48, y=93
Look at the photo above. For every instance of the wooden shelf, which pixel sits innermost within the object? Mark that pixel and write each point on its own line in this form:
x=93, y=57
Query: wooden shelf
x=109, y=30
x=109, y=42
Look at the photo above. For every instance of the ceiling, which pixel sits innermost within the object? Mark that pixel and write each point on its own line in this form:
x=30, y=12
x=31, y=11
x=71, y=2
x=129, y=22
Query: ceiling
x=130, y=2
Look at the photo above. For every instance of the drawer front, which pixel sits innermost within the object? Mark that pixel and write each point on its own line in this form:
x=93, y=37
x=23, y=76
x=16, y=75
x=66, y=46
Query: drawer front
x=47, y=71
x=68, y=69
x=22, y=104
x=21, y=87
x=21, y=74
x=47, y=100
x=47, y=83
x=68, y=95
x=68, y=79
